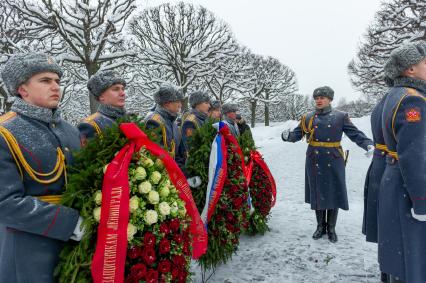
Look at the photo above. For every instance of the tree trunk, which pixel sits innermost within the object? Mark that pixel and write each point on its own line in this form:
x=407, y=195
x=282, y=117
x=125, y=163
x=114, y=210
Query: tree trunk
x=266, y=114
x=253, y=112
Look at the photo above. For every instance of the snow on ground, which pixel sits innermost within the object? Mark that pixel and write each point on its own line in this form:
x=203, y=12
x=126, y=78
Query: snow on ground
x=288, y=253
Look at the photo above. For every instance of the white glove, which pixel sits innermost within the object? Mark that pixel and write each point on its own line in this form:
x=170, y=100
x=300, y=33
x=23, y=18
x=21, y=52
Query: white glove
x=78, y=230
x=420, y=217
x=194, y=182
x=370, y=151
x=285, y=135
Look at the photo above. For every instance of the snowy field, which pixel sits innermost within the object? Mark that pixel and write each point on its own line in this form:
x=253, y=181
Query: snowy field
x=288, y=253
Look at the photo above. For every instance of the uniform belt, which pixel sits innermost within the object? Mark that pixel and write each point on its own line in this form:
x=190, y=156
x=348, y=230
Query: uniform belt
x=393, y=154
x=324, y=144
x=54, y=199
x=382, y=147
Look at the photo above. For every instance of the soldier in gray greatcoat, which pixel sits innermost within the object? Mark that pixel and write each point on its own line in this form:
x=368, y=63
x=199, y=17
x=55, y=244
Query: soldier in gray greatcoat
x=168, y=99
x=108, y=87
x=195, y=118
x=229, y=111
x=325, y=186
x=402, y=193
x=35, y=147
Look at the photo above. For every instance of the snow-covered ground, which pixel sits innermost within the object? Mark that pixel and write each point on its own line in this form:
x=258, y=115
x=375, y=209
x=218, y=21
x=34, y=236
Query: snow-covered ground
x=288, y=253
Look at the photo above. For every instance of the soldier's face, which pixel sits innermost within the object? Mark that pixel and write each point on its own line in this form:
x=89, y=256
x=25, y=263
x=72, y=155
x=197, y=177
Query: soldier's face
x=174, y=107
x=232, y=115
x=215, y=114
x=322, y=102
x=114, y=95
x=418, y=71
x=42, y=90
x=203, y=107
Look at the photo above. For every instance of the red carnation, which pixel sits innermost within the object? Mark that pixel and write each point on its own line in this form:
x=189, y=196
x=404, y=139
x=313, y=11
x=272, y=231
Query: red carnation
x=164, y=246
x=148, y=256
x=164, y=228
x=138, y=271
x=152, y=276
x=178, y=238
x=149, y=239
x=174, y=224
x=186, y=249
x=134, y=252
x=175, y=273
x=182, y=276
x=164, y=266
x=179, y=261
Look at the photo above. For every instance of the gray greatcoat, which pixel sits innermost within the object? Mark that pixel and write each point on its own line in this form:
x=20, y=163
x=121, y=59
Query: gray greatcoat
x=104, y=117
x=34, y=231
x=402, y=238
x=325, y=186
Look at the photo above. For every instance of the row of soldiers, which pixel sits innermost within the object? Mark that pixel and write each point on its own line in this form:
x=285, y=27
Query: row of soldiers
x=36, y=146
x=395, y=186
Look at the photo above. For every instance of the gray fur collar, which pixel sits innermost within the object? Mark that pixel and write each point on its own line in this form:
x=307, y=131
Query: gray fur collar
x=111, y=111
x=411, y=82
x=36, y=112
x=199, y=115
x=166, y=114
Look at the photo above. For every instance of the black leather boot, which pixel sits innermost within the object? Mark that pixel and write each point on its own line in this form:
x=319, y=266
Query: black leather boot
x=321, y=226
x=331, y=224
x=395, y=280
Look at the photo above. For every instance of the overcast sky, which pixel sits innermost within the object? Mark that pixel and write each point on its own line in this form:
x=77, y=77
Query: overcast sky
x=316, y=38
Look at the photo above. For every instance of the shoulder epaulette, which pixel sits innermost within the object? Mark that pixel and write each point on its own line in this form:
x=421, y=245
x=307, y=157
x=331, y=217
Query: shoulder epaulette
x=5, y=117
x=157, y=118
x=91, y=117
x=413, y=92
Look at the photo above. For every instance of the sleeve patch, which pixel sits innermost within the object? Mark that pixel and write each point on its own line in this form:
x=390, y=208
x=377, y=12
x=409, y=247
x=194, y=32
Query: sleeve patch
x=413, y=115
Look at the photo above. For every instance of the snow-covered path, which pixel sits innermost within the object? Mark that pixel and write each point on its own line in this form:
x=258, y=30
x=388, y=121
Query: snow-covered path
x=288, y=253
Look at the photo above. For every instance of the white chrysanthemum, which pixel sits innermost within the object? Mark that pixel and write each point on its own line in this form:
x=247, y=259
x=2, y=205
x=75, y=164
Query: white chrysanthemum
x=105, y=168
x=144, y=187
x=153, y=197
x=155, y=177
x=140, y=173
x=98, y=197
x=97, y=214
x=151, y=217
x=159, y=163
x=147, y=162
x=131, y=231
x=174, y=208
x=164, y=208
x=133, y=203
x=164, y=192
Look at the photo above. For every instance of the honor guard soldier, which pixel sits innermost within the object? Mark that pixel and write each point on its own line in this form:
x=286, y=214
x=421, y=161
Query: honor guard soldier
x=325, y=185
x=168, y=99
x=108, y=87
x=229, y=111
x=35, y=148
x=214, y=111
x=195, y=118
x=402, y=193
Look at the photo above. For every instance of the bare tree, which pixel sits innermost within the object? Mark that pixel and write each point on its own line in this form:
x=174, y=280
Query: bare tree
x=184, y=39
x=89, y=31
x=398, y=21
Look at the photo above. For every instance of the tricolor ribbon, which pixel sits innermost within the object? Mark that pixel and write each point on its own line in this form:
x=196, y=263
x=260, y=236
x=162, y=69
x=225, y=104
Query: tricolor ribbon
x=217, y=175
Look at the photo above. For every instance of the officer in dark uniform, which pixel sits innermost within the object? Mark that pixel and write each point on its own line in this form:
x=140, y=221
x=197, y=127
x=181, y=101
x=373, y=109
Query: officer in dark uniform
x=108, y=87
x=325, y=187
x=195, y=118
x=402, y=193
x=35, y=148
x=168, y=99
x=229, y=111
